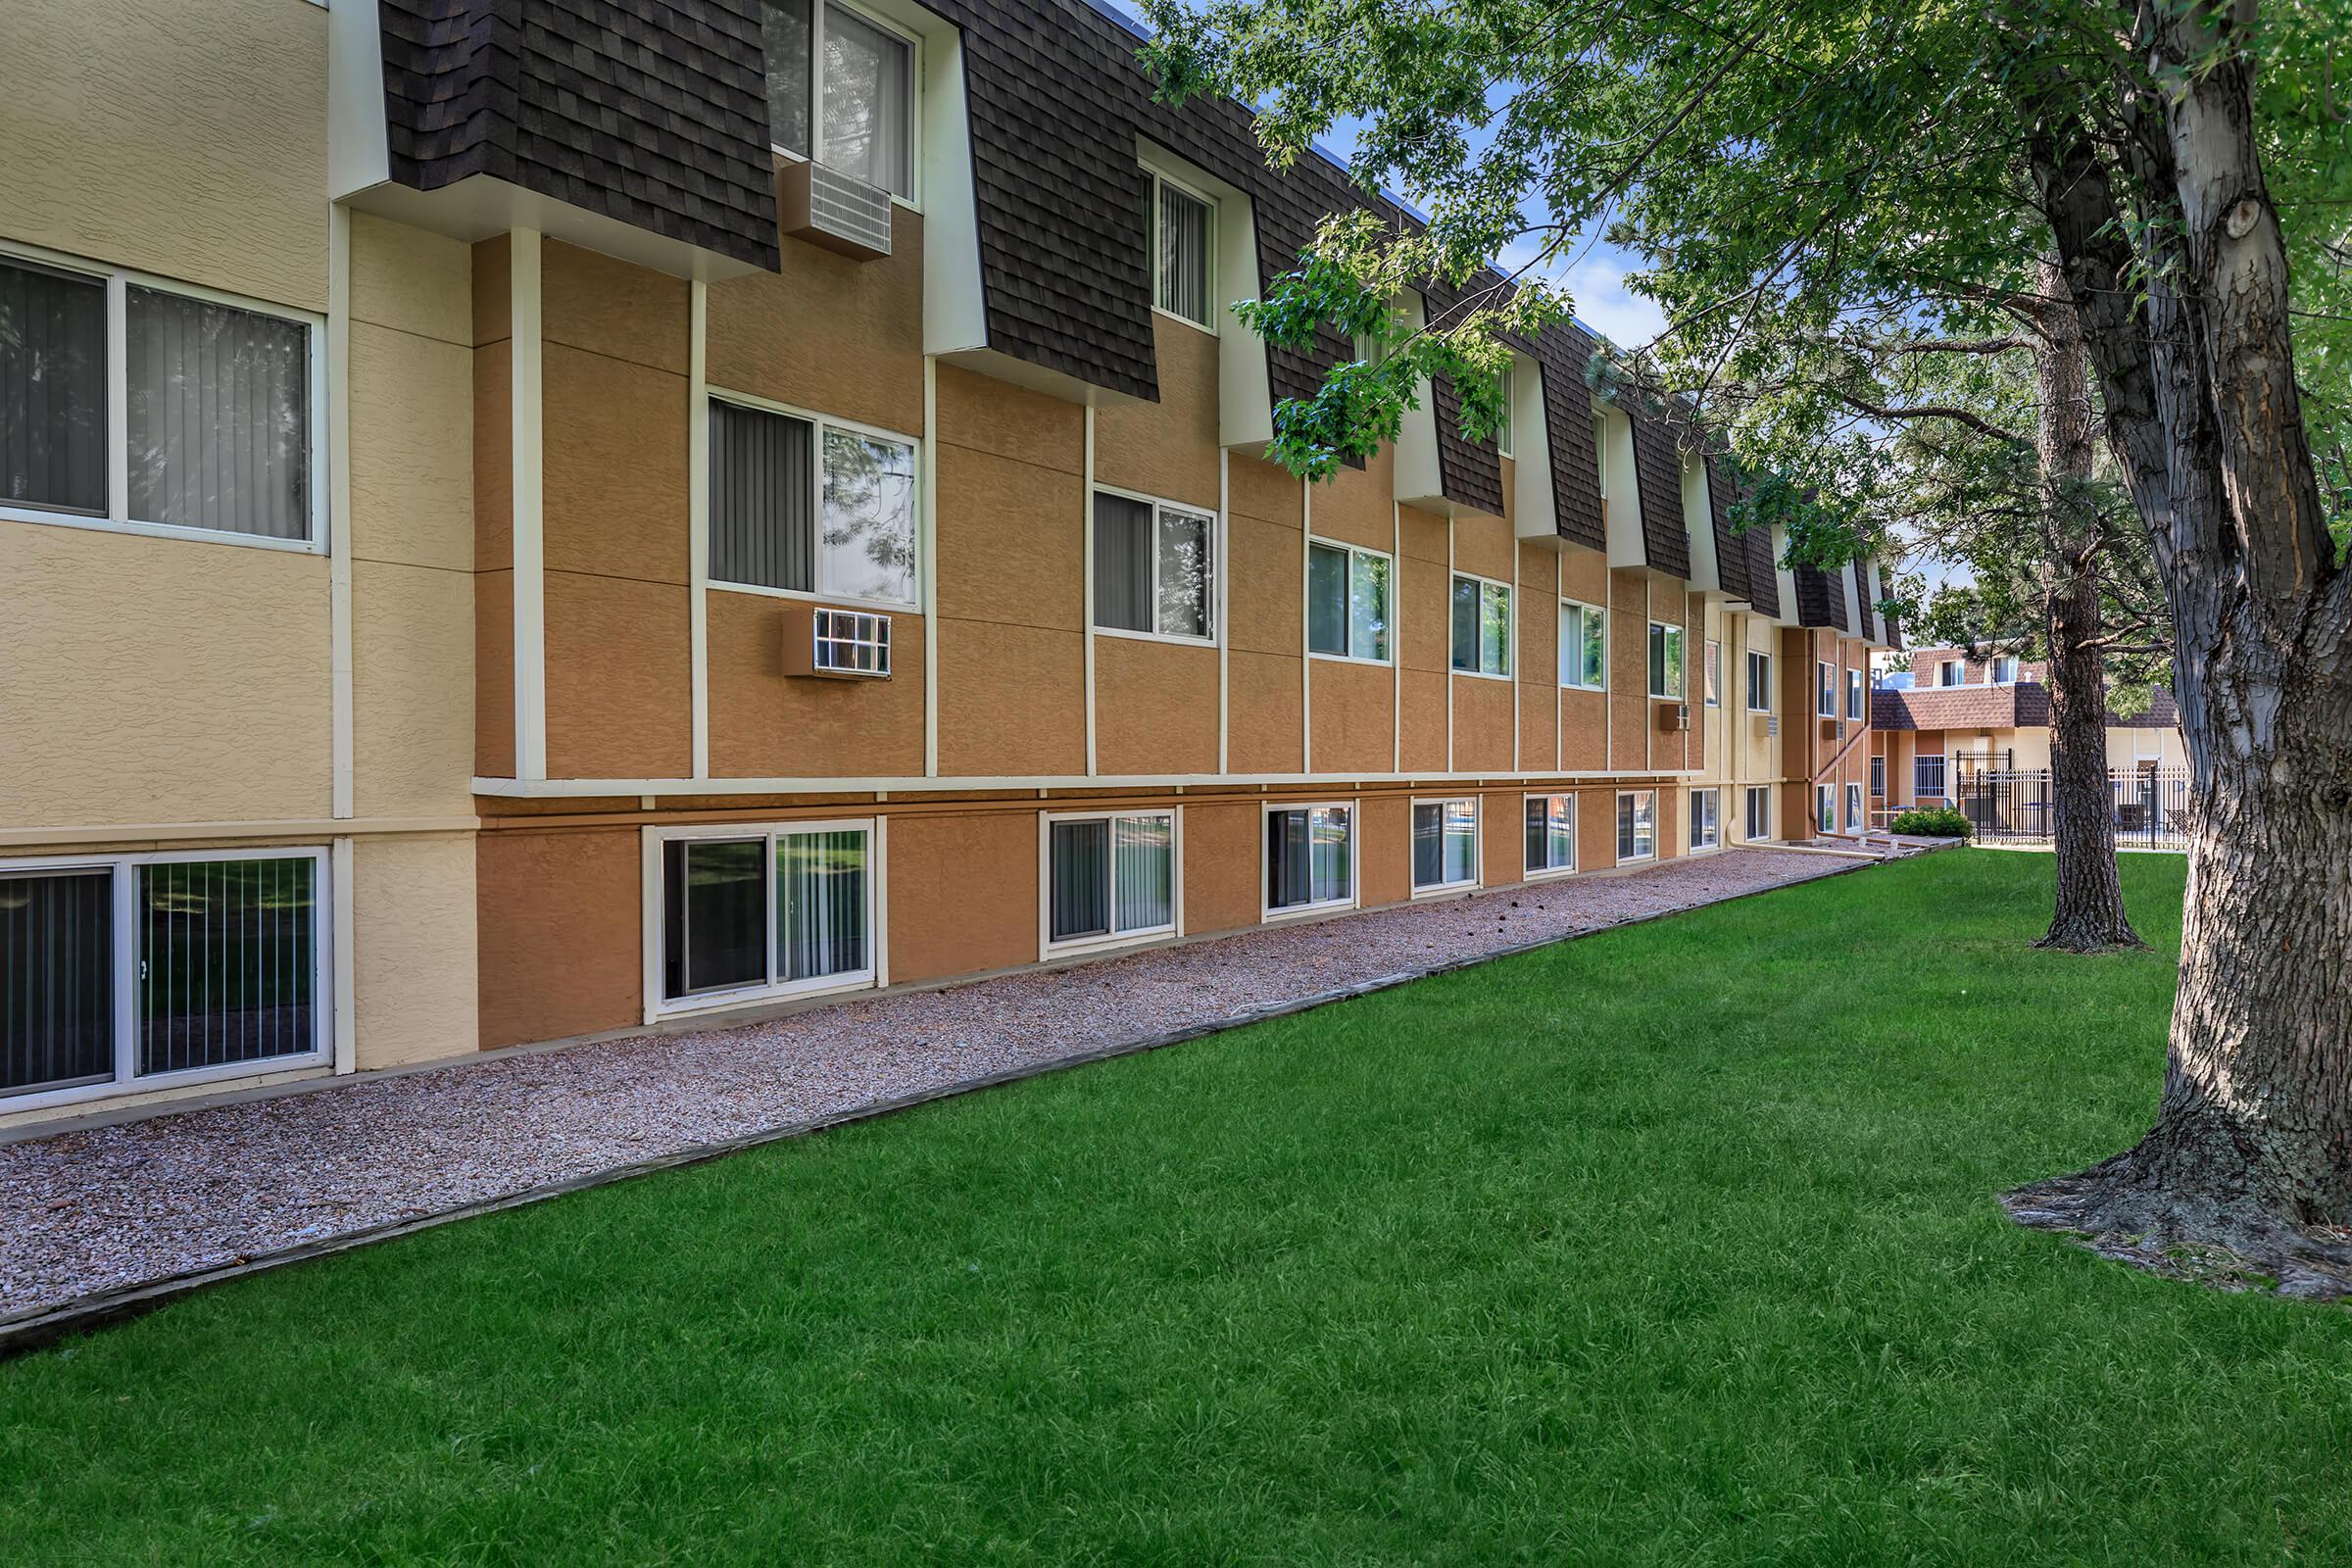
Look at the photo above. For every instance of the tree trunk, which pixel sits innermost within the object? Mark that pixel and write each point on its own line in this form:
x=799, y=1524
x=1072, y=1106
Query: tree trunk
x=2250, y=1157
x=2088, y=912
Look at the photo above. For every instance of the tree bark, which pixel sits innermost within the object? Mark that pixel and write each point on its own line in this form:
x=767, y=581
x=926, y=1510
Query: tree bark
x=2088, y=914
x=2251, y=1153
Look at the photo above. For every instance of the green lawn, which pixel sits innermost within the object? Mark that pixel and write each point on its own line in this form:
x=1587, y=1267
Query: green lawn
x=1675, y=1246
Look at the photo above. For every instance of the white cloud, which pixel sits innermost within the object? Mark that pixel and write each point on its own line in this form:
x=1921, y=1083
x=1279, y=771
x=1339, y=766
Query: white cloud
x=1596, y=287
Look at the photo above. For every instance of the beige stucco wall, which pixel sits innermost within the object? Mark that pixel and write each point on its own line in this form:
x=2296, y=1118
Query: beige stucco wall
x=185, y=140
x=160, y=680
x=415, y=989
x=410, y=532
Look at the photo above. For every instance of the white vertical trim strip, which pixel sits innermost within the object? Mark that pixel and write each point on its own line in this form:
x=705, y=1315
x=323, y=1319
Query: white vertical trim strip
x=529, y=508
x=1450, y=675
x=877, y=888
x=650, y=917
x=1396, y=636
x=1224, y=581
x=698, y=516
x=1087, y=570
x=1650, y=718
x=343, y=902
x=1306, y=663
x=1519, y=659
x=338, y=530
x=1176, y=866
x=926, y=560
x=118, y=397
x=1559, y=657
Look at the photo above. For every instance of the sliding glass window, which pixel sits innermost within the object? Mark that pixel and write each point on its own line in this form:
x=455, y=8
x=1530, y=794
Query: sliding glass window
x=804, y=504
x=754, y=912
x=1347, y=602
x=1110, y=876
x=156, y=967
x=1444, y=844
x=1551, y=833
x=1311, y=857
x=221, y=401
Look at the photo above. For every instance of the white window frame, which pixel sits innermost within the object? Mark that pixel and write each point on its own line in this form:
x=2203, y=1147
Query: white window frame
x=1533, y=873
x=1636, y=858
x=1959, y=669
x=1754, y=658
x=912, y=201
x=1857, y=808
x=1510, y=643
x=1267, y=912
x=1352, y=656
x=1747, y=828
x=1825, y=689
x=1478, y=844
x=1047, y=946
x=1675, y=672
x=1710, y=673
x=1878, y=775
x=1161, y=505
x=878, y=915
x=123, y=935
x=117, y=282
x=1714, y=839
x=820, y=423
x=1583, y=609
x=1992, y=671
x=1160, y=178
x=1825, y=807
x=1856, y=697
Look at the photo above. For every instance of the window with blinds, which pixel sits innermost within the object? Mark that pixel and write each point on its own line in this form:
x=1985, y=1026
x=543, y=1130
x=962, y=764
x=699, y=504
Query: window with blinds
x=1637, y=825
x=1482, y=627
x=850, y=76
x=1551, y=833
x=144, y=967
x=1110, y=875
x=219, y=401
x=1154, y=567
x=1311, y=857
x=761, y=911
x=1183, y=254
x=799, y=503
x=1583, y=646
x=1444, y=844
x=1348, y=602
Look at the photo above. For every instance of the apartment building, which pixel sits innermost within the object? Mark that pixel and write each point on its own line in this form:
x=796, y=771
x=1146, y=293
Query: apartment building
x=1965, y=718
x=530, y=521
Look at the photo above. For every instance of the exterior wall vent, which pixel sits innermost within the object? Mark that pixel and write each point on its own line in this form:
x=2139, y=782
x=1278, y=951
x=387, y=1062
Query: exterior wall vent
x=828, y=208
x=835, y=644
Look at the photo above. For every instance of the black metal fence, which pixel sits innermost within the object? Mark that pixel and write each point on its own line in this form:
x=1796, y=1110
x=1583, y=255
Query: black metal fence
x=2149, y=807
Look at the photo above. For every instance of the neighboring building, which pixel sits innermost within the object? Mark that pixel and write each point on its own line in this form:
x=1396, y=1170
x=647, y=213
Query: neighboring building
x=501, y=548
x=1963, y=718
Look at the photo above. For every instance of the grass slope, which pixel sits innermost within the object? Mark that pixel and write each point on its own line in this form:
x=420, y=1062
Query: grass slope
x=1677, y=1244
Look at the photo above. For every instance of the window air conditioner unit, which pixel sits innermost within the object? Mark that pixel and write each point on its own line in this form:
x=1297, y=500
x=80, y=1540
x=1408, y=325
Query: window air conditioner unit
x=828, y=208
x=1832, y=729
x=1674, y=715
x=1764, y=726
x=835, y=644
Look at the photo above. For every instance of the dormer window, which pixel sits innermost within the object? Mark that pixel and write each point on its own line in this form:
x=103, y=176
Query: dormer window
x=851, y=78
x=1182, y=231
x=2004, y=671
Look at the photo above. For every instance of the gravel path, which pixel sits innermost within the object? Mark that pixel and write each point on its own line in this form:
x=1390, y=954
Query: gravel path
x=112, y=1206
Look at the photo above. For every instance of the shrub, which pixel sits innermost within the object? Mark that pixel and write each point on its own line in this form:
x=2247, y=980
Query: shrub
x=1932, y=822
